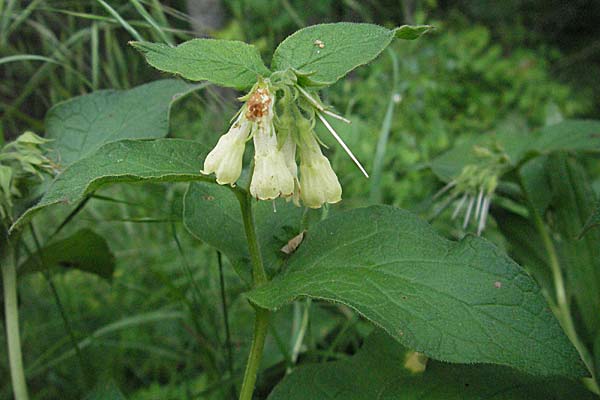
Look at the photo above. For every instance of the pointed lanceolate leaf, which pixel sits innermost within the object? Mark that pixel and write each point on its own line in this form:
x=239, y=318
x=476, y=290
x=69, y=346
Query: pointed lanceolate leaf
x=378, y=371
x=79, y=126
x=327, y=52
x=212, y=214
x=223, y=62
x=455, y=301
x=160, y=160
x=85, y=250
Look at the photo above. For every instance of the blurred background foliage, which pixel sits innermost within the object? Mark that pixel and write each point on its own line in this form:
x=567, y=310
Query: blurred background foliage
x=157, y=329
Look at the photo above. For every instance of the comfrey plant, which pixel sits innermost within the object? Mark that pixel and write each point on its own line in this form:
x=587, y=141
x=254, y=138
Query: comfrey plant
x=461, y=302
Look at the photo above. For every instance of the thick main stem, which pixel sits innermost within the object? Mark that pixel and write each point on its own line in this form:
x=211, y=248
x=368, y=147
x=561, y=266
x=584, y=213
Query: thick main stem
x=259, y=276
x=11, y=314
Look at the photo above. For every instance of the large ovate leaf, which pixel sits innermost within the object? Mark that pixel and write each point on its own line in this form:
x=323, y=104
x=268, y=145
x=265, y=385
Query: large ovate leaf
x=85, y=250
x=212, y=214
x=460, y=301
x=79, y=126
x=329, y=51
x=159, y=160
x=224, y=62
x=378, y=371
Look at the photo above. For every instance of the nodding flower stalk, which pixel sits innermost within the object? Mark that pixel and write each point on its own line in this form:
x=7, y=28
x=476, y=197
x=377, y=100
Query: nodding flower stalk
x=281, y=129
x=20, y=160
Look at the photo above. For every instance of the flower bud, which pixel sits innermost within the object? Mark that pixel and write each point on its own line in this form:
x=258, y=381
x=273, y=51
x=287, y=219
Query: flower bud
x=318, y=182
x=225, y=160
x=271, y=177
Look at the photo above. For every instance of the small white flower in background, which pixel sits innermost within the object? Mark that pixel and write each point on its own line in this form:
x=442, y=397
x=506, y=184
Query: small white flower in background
x=275, y=171
x=473, y=190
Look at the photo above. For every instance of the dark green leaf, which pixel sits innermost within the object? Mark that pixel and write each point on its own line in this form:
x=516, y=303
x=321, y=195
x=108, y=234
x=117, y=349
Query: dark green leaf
x=377, y=372
x=569, y=135
x=329, y=51
x=212, y=214
x=526, y=246
x=79, y=126
x=84, y=250
x=160, y=160
x=573, y=201
x=224, y=62
x=455, y=301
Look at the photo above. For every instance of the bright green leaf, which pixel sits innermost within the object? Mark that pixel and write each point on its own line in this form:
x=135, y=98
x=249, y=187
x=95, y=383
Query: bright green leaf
x=377, y=372
x=223, y=62
x=84, y=250
x=81, y=125
x=159, y=160
x=212, y=214
x=455, y=301
x=329, y=51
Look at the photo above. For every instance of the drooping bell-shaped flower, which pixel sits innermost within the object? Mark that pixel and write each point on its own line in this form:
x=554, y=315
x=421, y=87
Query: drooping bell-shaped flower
x=271, y=177
x=318, y=182
x=225, y=160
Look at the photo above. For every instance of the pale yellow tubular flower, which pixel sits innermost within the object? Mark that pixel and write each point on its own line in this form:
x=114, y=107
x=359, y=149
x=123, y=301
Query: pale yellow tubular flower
x=271, y=177
x=225, y=160
x=289, y=154
x=318, y=182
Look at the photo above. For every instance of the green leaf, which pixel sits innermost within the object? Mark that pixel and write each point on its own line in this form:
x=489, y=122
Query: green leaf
x=212, y=214
x=526, y=246
x=378, y=371
x=455, y=301
x=329, y=51
x=573, y=201
x=223, y=62
x=84, y=250
x=159, y=160
x=81, y=125
x=569, y=135
x=535, y=179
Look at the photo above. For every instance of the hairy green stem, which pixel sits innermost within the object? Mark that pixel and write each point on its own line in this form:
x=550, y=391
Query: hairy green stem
x=11, y=314
x=259, y=276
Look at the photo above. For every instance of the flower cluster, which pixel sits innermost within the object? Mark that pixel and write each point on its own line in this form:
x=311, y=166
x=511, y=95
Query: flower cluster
x=281, y=129
x=473, y=189
x=20, y=160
